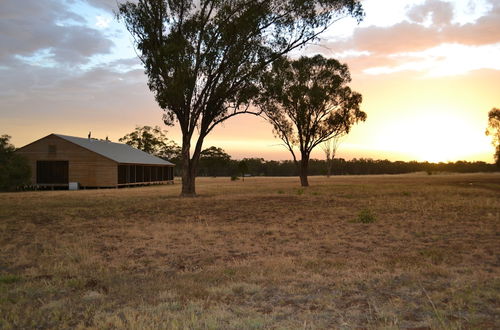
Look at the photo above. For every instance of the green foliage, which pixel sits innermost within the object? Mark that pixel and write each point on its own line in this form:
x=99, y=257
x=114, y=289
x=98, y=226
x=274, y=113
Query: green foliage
x=9, y=278
x=366, y=216
x=15, y=171
x=243, y=168
x=214, y=161
x=5, y=146
x=340, y=166
x=203, y=58
x=215, y=153
x=494, y=131
x=308, y=102
x=153, y=140
x=234, y=178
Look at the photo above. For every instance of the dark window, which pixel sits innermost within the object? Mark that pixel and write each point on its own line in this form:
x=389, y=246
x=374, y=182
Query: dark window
x=122, y=174
x=140, y=173
x=132, y=173
x=52, y=172
x=154, y=175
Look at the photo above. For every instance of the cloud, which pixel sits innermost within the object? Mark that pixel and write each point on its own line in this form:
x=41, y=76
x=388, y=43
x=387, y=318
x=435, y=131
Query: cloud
x=484, y=31
x=41, y=93
x=431, y=43
x=108, y=5
x=444, y=60
x=61, y=71
x=36, y=26
x=412, y=36
x=102, y=21
x=439, y=12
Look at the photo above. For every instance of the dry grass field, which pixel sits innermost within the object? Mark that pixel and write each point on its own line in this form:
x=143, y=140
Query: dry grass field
x=402, y=251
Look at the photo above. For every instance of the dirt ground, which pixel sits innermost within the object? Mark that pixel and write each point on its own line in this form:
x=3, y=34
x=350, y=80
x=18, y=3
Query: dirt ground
x=388, y=251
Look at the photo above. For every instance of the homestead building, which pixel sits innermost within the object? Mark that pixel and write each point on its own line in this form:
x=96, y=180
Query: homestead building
x=67, y=161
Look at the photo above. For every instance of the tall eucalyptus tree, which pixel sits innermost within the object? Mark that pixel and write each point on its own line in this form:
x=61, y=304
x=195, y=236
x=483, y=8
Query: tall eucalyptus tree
x=203, y=57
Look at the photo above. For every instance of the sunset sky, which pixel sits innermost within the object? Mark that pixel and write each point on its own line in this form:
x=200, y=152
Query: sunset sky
x=429, y=72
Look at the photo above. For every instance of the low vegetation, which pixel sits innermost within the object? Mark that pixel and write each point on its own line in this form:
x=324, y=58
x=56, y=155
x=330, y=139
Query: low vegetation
x=365, y=216
x=15, y=172
x=255, y=254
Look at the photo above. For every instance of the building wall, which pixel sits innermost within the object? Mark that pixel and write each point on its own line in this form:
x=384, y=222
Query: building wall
x=86, y=167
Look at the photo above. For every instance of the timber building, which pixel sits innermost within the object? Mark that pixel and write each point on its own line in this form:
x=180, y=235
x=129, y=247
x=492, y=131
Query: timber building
x=61, y=160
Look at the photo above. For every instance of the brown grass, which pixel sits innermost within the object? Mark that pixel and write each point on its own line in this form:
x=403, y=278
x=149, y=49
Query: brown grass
x=263, y=253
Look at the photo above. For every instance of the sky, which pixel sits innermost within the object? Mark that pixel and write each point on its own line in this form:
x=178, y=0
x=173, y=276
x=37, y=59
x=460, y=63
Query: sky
x=428, y=70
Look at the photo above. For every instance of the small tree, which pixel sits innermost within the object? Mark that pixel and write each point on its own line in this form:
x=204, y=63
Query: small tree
x=152, y=140
x=243, y=168
x=202, y=58
x=14, y=169
x=308, y=102
x=330, y=149
x=494, y=130
x=213, y=161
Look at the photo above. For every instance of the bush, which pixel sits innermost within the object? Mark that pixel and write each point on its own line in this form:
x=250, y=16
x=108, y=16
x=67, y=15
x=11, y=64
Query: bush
x=15, y=171
x=366, y=216
x=234, y=178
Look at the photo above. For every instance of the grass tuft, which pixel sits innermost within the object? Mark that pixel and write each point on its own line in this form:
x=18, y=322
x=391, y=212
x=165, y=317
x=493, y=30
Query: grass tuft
x=366, y=216
x=9, y=279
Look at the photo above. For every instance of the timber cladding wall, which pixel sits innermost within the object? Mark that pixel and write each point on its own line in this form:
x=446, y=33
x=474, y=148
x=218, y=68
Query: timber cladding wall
x=86, y=167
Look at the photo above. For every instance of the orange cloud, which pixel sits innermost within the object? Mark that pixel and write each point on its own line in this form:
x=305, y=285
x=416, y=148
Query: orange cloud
x=413, y=36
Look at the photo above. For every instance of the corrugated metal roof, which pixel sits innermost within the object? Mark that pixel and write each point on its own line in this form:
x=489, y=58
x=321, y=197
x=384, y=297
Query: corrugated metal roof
x=120, y=153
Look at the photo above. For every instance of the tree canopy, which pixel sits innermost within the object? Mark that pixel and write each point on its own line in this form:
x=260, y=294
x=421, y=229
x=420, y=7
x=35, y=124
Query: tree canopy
x=14, y=169
x=203, y=58
x=309, y=102
x=152, y=140
x=214, y=161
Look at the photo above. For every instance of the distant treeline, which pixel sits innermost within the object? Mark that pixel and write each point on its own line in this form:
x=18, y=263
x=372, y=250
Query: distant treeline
x=261, y=167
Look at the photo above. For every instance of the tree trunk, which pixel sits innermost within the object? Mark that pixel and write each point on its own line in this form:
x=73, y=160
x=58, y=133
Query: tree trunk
x=188, y=180
x=188, y=171
x=329, y=164
x=190, y=165
x=188, y=184
x=303, y=169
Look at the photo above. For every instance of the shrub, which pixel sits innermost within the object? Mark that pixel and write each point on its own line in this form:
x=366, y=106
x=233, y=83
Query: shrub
x=234, y=178
x=15, y=171
x=366, y=216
